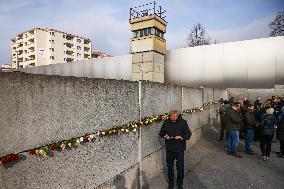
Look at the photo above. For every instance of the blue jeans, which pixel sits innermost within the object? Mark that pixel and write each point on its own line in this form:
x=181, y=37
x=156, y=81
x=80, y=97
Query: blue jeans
x=233, y=141
x=249, y=139
x=170, y=157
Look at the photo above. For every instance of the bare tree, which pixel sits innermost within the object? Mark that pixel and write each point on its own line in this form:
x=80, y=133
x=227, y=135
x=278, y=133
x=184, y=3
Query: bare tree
x=277, y=25
x=197, y=37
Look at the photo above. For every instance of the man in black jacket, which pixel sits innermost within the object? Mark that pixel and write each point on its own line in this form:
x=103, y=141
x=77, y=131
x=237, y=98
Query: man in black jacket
x=175, y=131
x=280, y=133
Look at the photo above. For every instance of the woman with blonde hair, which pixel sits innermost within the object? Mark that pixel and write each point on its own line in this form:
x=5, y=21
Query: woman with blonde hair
x=268, y=129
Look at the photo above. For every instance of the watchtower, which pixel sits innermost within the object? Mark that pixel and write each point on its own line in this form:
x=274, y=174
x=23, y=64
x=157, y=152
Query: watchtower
x=148, y=46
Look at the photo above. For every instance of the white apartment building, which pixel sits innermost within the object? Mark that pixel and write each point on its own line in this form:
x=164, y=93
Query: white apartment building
x=39, y=46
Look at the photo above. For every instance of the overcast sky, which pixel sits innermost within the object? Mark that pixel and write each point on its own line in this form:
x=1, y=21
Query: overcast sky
x=106, y=22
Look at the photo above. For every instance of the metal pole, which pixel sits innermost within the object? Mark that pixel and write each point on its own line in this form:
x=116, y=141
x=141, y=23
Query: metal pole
x=181, y=99
x=140, y=138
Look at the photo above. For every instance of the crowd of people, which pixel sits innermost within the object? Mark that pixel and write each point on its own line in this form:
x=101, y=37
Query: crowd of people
x=256, y=121
x=259, y=122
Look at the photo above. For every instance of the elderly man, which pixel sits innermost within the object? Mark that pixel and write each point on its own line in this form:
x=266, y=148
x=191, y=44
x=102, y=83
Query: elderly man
x=175, y=131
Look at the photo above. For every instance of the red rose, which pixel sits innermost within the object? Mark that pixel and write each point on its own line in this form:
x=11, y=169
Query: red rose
x=52, y=148
x=16, y=156
x=139, y=123
x=86, y=138
x=32, y=152
x=10, y=158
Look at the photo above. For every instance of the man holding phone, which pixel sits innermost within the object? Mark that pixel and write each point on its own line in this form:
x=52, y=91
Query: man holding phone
x=175, y=131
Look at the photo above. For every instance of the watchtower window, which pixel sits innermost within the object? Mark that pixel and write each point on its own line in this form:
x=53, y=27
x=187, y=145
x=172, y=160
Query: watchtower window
x=152, y=31
x=148, y=31
x=145, y=31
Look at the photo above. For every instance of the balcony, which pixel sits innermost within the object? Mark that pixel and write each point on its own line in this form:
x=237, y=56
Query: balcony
x=69, y=59
x=87, y=41
x=88, y=45
x=19, y=37
x=86, y=48
x=30, y=36
x=69, y=52
x=69, y=44
x=69, y=37
x=20, y=44
x=86, y=56
x=20, y=53
x=31, y=46
x=32, y=56
x=31, y=39
x=32, y=63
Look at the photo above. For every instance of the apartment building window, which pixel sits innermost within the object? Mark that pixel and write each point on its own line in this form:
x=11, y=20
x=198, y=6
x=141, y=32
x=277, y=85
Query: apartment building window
x=79, y=40
x=51, y=57
x=26, y=35
x=79, y=55
x=65, y=59
x=26, y=51
x=26, y=43
x=79, y=48
x=64, y=36
x=51, y=49
x=52, y=41
x=52, y=33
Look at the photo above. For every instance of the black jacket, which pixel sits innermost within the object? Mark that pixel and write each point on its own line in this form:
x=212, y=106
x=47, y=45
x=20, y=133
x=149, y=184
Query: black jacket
x=173, y=129
x=234, y=120
x=268, y=122
x=280, y=129
x=250, y=120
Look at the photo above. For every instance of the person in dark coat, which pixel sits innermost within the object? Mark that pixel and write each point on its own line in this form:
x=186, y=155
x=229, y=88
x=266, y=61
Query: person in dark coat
x=250, y=124
x=257, y=102
x=280, y=133
x=231, y=101
x=223, y=110
x=243, y=127
x=246, y=102
x=260, y=112
x=175, y=131
x=268, y=129
x=233, y=123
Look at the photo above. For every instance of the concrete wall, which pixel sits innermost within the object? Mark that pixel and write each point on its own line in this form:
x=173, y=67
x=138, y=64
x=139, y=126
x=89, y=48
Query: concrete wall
x=257, y=63
x=39, y=109
x=119, y=67
x=239, y=93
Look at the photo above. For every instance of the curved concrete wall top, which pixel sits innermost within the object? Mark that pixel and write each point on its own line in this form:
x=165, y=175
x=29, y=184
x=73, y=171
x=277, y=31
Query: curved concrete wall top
x=255, y=63
x=118, y=67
